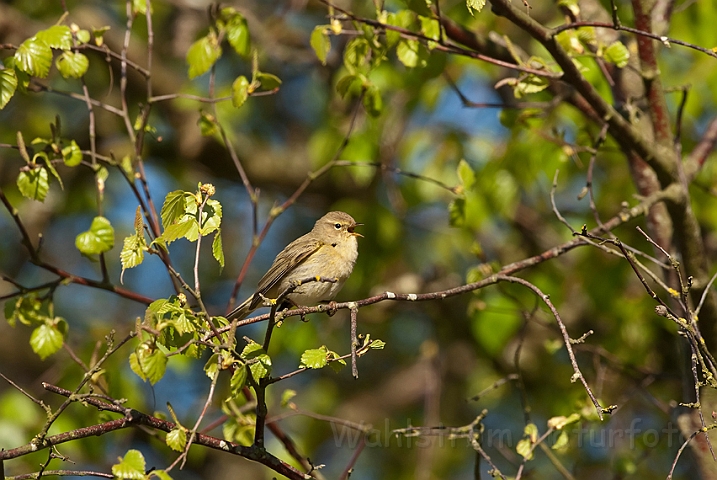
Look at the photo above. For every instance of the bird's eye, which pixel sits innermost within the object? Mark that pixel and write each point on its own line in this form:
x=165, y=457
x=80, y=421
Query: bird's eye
x=337, y=226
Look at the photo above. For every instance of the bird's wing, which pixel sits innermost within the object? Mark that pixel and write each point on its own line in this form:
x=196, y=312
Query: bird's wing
x=294, y=254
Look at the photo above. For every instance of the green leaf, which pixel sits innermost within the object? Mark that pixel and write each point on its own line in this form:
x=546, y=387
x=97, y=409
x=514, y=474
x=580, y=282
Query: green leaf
x=238, y=379
x=372, y=101
x=98, y=239
x=25, y=309
x=348, y=83
x=202, y=54
x=211, y=218
x=240, y=91
x=173, y=208
x=356, y=54
x=377, y=344
x=562, y=441
x=179, y=230
x=315, y=358
x=208, y=124
x=408, y=52
x=177, y=439
x=320, y=42
x=131, y=466
x=286, y=396
x=71, y=154
x=524, y=449
x=34, y=57
x=457, y=212
x=403, y=19
x=238, y=34
x=217, y=249
x=132, y=253
x=72, y=64
x=8, y=85
x=466, y=174
x=618, y=54
x=211, y=368
x=46, y=340
x=140, y=6
x=259, y=361
x=431, y=29
x=268, y=81
x=57, y=36
x=34, y=184
x=530, y=84
x=48, y=164
x=476, y=5
x=148, y=362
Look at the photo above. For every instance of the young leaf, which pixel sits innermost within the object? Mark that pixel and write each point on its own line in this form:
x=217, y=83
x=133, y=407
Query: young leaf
x=268, y=81
x=148, y=362
x=34, y=57
x=34, y=184
x=238, y=379
x=407, y=52
x=173, y=208
x=57, y=36
x=476, y=5
x=132, y=253
x=8, y=85
x=372, y=101
x=72, y=64
x=314, y=358
x=240, y=91
x=98, y=239
x=179, y=230
x=346, y=83
x=320, y=42
x=71, y=154
x=259, y=361
x=618, y=54
x=217, y=250
x=46, y=340
x=466, y=175
x=131, y=467
x=238, y=34
x=202, y=54
x=177, y=439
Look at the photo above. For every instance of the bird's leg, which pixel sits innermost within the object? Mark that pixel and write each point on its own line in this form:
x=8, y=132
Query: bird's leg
x=331, y=310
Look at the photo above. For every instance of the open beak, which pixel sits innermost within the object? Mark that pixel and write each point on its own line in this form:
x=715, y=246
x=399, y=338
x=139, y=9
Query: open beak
x=351, y=230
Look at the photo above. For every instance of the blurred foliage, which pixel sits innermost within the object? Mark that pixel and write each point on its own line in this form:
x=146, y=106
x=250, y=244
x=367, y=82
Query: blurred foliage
x=447, y=160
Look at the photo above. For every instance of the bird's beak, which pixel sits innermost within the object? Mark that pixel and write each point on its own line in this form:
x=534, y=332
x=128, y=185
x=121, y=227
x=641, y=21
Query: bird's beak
x=351, y=230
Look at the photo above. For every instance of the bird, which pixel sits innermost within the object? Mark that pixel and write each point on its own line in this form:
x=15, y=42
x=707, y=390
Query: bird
x=329, y=251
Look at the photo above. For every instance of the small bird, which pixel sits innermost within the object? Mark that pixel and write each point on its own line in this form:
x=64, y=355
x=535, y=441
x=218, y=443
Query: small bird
x=329, y=250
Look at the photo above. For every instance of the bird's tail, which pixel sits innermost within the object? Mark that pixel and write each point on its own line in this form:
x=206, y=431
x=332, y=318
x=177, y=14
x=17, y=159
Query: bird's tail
x=242, y=310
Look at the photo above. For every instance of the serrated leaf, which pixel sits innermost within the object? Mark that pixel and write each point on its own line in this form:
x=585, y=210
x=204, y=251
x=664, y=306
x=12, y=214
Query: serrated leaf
x=240, y=91
x=148, y=362
x=259, y=361
x=238, y=34
x=618, y=54
x=320, y=42
x=98, y=239
x=268, y=81
x=34, y=184
x=238, y=380
x=315, y=358
x=177, y=439
x=72, y=64
x=211, y=219
x=131, y=466
x=211, y=368
x=25, y=309
x=132, y=253
x=377, y=344
x=71, y=154
x=476, y=5
x=217, y=249
x=179, y=230
x=34, y=57
x=345, y=84
x=8, y=85
x=356, y=54
x=202, y=54
x=407, y=52
x=173, y=208
x=46, y=340
x=530, y=84
x=57, y=36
